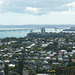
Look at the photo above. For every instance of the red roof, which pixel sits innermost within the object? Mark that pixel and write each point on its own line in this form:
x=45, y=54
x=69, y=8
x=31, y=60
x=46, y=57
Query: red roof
x=73, y=60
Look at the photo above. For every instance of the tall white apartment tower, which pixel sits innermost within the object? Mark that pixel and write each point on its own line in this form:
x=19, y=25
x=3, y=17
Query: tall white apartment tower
x=43, y=31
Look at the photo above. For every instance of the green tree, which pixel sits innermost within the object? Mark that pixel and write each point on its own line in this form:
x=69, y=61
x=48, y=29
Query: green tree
x=37, y=69
x=11, y=68
x=59, y=70
x=67, y=39
x=20, y=66
x=6, y=69
x=71, y=70
x=13, y=73
x=32, y=72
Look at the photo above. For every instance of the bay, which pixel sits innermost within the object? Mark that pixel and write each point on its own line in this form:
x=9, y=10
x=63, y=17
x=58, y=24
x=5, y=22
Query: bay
x=22, y=32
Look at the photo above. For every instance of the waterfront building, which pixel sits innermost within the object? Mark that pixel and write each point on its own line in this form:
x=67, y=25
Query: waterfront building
x=43, y=31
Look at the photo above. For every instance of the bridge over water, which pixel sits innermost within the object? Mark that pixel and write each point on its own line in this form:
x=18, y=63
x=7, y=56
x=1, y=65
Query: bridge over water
x=25, y=29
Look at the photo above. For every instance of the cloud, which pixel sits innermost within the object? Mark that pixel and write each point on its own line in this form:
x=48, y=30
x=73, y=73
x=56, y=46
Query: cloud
x=36, y=7
x=1, y=1
x=36, y=11
x=71, y=6
x=32, y=10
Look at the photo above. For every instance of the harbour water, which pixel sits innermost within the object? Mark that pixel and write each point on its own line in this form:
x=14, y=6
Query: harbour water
x=17, y=32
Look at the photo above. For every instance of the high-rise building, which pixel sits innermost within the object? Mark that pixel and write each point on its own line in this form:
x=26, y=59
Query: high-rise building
x=43, y=31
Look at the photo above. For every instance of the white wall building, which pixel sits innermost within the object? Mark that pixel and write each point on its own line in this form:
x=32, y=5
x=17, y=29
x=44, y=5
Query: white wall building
x=43, y=31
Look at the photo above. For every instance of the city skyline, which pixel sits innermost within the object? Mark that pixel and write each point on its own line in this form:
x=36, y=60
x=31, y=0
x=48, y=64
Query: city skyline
x=20, y=12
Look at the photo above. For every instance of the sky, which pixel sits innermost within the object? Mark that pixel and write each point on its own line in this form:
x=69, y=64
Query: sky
x=21, y=12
